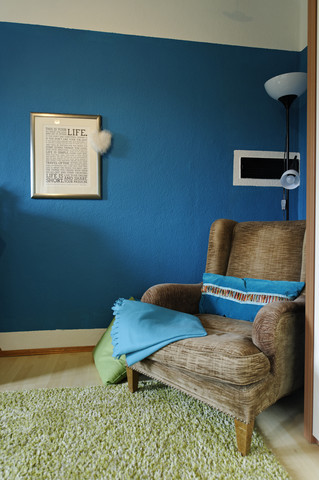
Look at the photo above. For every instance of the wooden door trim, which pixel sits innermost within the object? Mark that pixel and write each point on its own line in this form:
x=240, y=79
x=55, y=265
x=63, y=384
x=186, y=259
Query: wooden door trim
x=311, y=213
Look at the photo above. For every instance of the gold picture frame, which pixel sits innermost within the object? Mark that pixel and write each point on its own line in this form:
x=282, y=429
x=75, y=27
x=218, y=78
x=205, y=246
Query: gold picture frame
x=63, y=162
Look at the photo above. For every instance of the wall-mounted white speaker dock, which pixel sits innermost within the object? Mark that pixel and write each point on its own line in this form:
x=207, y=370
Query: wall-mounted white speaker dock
x=265, y=169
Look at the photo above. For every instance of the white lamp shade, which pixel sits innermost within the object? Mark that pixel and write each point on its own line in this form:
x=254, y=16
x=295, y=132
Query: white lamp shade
x=294, y=83
x=290, y=179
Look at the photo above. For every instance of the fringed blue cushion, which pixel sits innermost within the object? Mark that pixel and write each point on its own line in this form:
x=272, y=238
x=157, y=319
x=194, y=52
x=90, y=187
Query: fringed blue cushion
x=242, y=298
x=141, y=329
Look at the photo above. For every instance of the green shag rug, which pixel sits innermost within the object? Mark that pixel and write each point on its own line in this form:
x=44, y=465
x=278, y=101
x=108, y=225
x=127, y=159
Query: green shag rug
x=108, y=433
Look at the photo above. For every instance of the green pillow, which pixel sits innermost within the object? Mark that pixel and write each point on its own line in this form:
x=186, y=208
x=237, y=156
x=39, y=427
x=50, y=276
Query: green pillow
x=111, y=370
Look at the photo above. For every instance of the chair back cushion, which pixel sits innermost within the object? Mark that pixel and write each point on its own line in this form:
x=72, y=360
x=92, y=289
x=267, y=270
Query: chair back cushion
x=265, y=250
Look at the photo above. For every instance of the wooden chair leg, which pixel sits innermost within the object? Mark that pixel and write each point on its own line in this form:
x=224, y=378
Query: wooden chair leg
x=244, y=433
x=132, y=379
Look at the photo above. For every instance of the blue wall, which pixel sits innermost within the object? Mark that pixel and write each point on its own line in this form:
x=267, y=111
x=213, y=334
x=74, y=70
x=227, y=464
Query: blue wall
x=177, y=110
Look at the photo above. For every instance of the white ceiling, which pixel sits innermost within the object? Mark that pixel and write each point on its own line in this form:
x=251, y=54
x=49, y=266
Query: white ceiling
x=277, y=24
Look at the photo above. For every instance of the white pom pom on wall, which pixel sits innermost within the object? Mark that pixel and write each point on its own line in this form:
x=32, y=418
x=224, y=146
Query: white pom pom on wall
x=101, y=140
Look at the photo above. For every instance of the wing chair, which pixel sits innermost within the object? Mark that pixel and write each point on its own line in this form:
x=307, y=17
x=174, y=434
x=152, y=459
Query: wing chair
x=240, y=367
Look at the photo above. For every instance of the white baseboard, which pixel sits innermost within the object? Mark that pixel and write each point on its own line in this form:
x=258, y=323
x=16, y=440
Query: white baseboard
x=50, y=339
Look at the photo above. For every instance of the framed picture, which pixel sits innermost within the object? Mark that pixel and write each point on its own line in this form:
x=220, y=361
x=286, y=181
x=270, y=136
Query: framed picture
x=63, y=161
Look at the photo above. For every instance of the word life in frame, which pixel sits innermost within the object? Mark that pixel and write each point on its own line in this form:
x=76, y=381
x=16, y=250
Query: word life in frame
x=66, y=160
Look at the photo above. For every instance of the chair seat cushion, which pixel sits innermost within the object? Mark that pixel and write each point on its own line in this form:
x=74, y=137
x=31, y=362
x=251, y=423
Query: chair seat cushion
x=227, y=353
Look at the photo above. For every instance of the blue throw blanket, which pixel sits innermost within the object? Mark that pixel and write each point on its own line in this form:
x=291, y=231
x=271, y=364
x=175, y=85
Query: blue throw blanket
x=141, y=329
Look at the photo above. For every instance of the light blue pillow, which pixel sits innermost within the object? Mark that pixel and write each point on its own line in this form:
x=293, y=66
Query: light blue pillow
x=242, y=298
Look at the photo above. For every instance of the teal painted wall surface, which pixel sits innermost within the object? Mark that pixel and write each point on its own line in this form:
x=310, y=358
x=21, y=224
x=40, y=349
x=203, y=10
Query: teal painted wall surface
x=177, y=111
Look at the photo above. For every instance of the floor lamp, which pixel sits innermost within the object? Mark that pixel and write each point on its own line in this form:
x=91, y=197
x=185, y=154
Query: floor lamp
x=286, y=88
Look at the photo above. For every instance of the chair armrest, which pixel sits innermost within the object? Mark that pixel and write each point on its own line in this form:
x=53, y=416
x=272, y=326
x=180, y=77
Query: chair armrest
x=278, y=331
x=181, y=297
x=277, y=319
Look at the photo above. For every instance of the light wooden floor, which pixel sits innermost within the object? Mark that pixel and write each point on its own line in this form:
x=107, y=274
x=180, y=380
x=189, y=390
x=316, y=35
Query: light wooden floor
x=281, y=425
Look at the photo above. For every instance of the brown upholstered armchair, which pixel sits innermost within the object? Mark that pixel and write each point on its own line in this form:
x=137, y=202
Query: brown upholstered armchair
x=240, y=367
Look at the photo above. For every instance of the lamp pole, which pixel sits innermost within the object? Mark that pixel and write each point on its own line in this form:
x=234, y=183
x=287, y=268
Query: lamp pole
x=287, y=100
x=286, y=88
